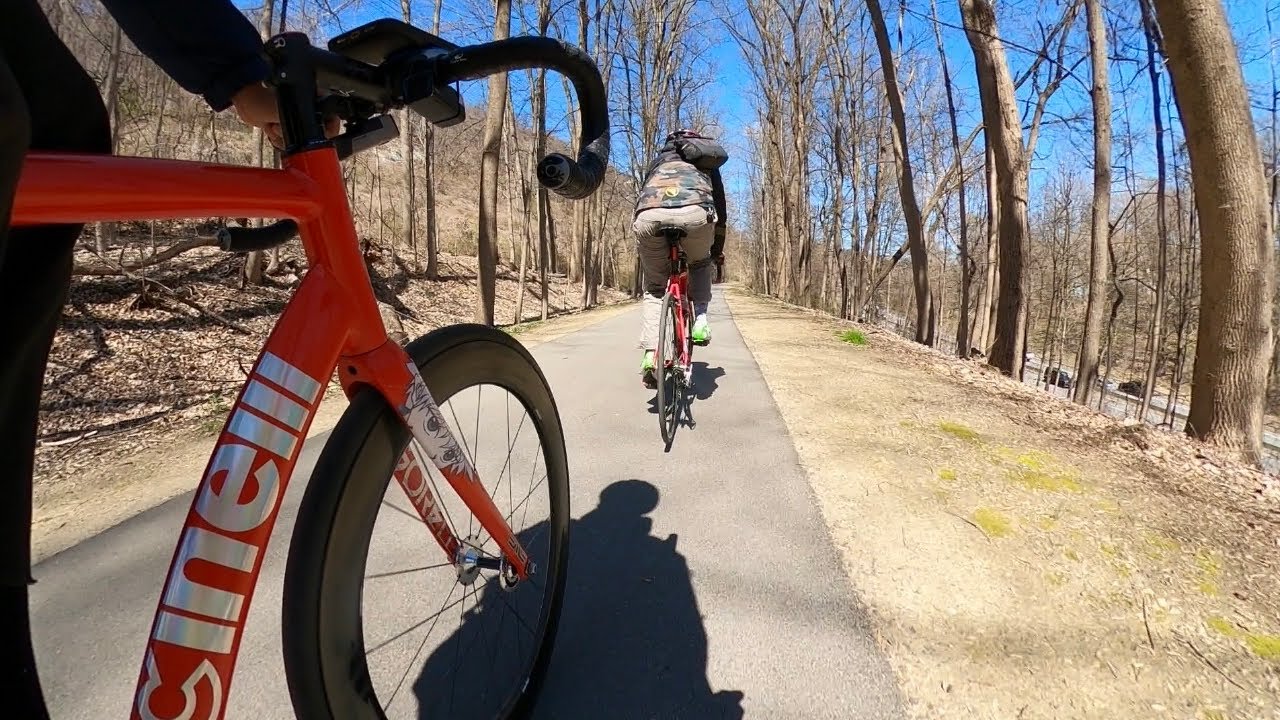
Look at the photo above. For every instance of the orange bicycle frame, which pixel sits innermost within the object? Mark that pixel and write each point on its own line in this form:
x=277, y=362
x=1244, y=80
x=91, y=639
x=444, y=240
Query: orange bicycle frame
x=331, y=321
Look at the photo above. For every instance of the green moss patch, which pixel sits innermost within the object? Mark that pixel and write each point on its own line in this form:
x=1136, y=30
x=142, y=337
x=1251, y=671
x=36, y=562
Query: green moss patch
x=1266, y=647
x=956, y=430
x=993, y=522
x=1037, y=470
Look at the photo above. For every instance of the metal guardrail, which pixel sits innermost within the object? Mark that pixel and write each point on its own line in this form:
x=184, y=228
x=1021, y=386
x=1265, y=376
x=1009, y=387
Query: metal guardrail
x=1159, y=405
x=1270, y=441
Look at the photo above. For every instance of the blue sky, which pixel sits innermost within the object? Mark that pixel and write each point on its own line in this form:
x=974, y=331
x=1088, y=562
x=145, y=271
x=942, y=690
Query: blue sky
x=731, y=93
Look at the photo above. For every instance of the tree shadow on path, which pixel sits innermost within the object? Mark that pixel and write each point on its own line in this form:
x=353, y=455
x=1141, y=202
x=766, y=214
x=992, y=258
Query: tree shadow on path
x=631, y=642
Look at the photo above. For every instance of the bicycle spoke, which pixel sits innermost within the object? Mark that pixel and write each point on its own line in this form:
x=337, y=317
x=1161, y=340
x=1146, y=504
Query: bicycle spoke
x=393, y=573
x=444, y=507
x=435, y=490
x=505, y=467
x=465, y=445
x=477, y=634
x=402, y=511
x=532, y=634
x=457, y=649
x=510, y=446
x=525, y=500
x=416, y=625
x=493, y=657
x=471, y=520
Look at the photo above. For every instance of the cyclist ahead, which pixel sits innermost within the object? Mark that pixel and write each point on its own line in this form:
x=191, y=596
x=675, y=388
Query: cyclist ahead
x=682, y=188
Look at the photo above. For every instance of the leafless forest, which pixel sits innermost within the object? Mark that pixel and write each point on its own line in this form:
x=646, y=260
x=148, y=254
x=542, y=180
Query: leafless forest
x=1133, y=252
x=1043, y=184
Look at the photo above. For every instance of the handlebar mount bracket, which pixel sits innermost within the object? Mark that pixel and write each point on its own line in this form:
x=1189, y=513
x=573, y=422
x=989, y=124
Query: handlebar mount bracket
x=406, y=53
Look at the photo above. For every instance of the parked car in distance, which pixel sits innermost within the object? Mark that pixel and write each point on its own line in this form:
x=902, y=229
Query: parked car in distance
x=1057, y=377
x=1131, y=387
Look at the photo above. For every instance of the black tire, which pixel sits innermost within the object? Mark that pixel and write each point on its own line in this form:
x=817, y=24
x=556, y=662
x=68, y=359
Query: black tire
x=323, y=640
x=668, y=390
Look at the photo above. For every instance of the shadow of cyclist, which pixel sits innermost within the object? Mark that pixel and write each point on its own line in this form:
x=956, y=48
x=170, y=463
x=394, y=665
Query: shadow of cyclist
x=631, y=643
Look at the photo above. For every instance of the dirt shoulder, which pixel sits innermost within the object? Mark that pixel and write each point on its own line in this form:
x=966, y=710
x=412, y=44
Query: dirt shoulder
x=1023, y=557
x=102, y=482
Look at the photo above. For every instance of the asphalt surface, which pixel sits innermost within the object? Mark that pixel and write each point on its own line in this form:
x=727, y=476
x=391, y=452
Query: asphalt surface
x=704, y=585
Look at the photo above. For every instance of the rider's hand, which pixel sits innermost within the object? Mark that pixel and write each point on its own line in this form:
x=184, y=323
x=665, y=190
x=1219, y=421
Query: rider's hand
x=256, y=106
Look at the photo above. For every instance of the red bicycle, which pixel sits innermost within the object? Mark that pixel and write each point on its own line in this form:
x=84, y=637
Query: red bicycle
x=673, y=357
x=394, y=419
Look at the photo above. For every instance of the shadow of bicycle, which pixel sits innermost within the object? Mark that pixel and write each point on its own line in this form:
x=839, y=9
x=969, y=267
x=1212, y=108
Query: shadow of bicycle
x=704, y=383
x=705, y=380
x=631, y=643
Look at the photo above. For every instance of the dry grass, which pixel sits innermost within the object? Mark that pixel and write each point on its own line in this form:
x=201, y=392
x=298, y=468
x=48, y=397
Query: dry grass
x=1025, y=557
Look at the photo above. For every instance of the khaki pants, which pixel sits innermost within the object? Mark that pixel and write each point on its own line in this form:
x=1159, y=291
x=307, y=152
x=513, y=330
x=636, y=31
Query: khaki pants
x=698, y=222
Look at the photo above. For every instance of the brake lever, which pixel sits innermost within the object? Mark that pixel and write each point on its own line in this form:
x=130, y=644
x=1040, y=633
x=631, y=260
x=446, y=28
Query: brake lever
x=366, y=134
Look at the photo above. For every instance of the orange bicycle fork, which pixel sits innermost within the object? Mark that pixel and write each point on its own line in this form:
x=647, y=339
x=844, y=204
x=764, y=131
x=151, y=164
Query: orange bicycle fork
x=331, y=321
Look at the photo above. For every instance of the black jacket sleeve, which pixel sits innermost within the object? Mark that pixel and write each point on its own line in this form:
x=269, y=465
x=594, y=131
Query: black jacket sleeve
x=722, y=213
x=207, y=46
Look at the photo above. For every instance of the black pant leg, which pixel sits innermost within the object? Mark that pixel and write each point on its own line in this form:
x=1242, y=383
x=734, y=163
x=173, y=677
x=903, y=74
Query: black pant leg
x=47, y=102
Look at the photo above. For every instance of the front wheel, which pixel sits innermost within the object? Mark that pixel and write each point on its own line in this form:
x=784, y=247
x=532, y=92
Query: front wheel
x=377, y=622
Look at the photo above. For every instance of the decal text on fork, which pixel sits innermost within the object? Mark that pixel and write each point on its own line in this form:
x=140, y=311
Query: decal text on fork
x=201, y=613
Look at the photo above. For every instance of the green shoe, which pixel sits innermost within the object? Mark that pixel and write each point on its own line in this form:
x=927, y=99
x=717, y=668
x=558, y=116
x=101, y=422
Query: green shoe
x=701, y=331
x=647, y=375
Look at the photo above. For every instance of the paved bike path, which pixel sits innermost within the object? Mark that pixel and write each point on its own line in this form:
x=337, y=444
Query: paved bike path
x=702, y=585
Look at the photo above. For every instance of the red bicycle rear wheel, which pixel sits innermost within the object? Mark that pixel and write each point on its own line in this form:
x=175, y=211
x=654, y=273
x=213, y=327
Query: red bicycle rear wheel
x=666, y=362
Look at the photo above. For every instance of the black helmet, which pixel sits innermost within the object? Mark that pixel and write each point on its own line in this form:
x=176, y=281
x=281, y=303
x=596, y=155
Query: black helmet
x=685, y=133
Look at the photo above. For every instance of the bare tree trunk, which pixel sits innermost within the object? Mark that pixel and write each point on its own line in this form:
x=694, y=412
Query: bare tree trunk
x=1004, y=132
x=906, y=180
x=1111, y=319
x=524, y=267
x=106, y=231
x=429, y=181
x=1233, y=344
x=1099, y=267
x=583, y=220
x=1156, y=328
x=986, y=306
x=253, y=262
x=539, y=99
x=1273, y=380
x=487, y=233
x=409, y=210
x=963, y=340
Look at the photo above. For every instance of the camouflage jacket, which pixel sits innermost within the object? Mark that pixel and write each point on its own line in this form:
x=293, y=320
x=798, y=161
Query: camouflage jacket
x=671, y=182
